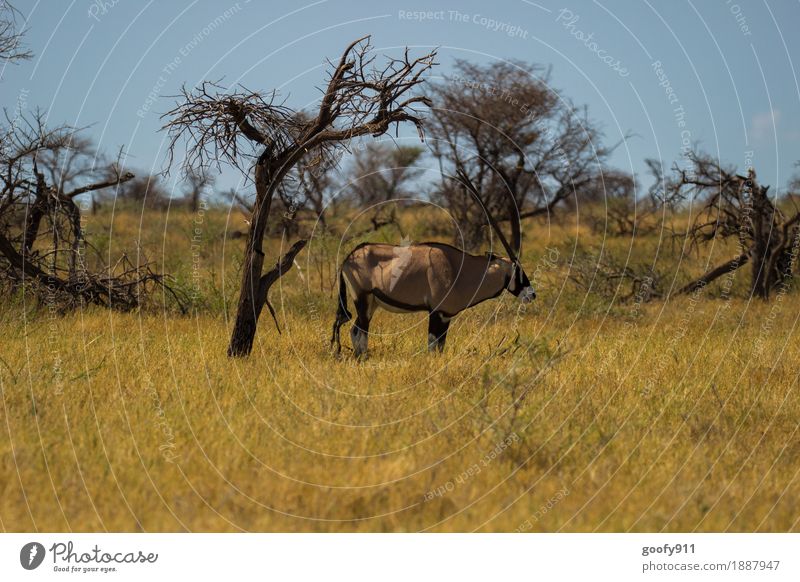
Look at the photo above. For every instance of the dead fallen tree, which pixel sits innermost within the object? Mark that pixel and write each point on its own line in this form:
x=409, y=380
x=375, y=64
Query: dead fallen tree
x=714, y=274
x=43, y=249
x=737, y=207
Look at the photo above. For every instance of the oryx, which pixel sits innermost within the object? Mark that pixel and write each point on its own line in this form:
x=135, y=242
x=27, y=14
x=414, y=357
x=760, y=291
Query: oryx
x=433, y=277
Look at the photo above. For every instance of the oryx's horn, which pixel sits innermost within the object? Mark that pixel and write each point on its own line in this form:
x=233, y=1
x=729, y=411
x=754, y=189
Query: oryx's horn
x=462, y=176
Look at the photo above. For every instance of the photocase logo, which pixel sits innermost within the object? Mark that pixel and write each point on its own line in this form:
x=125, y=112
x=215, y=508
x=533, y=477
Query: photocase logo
x=31, y=555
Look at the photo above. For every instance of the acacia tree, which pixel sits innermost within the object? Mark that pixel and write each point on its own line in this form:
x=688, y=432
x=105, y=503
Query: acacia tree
x=736, y=207
x=525, y=150
x=222, y=126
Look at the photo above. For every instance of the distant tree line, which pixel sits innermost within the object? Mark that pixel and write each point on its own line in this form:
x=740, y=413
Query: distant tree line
x=504, y=143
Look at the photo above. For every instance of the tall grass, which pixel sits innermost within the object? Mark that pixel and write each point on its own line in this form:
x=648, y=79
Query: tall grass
x=580, y=413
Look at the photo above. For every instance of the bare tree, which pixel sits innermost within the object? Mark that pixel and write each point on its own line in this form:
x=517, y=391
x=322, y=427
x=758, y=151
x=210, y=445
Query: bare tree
x=221, y=126
x=43, y=172
x=42, y=243
x=196, y=185
x=525, y=149
x=736, y=207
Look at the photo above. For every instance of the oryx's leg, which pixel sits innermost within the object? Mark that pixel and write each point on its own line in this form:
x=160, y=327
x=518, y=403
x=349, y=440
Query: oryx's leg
x=360, y=331
x=342, y=315
x=437, y=330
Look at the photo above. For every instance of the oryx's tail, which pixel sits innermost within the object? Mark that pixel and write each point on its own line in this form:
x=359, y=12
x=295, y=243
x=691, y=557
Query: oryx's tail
x=342, y=314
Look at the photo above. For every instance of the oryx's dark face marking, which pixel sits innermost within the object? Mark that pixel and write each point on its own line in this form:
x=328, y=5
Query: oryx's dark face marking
x=519, y=285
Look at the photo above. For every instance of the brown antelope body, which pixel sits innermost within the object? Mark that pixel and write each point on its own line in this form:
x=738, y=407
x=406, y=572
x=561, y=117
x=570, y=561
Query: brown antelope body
x=432, y=277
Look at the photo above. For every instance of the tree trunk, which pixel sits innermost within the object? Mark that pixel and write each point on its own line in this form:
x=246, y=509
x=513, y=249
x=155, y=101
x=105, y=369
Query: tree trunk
x=244, y=327
x=74, y=214
x=266, y=179
x=715, y=273
x=36, y=212
x=764, y=232
x=271, y=277
x=242, y=339
x=759, y=275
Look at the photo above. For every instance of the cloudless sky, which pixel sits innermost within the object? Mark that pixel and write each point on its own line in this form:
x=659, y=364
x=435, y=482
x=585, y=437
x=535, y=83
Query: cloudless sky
x=113, y=64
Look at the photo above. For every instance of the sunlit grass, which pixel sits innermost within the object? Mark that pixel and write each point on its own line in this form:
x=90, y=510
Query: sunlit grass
x=573, y=415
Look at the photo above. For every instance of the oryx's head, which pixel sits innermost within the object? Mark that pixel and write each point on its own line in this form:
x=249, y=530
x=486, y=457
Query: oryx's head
x=519, y=285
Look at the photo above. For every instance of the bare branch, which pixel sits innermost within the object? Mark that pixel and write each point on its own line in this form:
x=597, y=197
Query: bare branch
x=213, y=121
x=11, y=47
x=271, y=277
x=126, y=177
x=714, y=274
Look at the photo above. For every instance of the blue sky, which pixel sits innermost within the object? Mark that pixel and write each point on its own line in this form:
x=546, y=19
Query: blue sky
x=729, y=66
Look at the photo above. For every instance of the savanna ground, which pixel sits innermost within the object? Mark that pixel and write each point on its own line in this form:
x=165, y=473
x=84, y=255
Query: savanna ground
x=582, y=412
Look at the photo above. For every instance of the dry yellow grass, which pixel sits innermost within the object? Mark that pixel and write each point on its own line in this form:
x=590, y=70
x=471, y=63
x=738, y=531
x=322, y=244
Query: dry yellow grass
x=572, y=416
